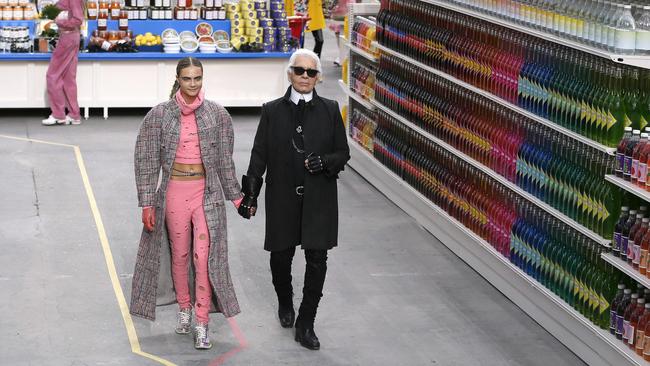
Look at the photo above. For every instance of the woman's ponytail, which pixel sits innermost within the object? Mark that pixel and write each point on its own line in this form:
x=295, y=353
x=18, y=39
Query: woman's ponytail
x=174, y=88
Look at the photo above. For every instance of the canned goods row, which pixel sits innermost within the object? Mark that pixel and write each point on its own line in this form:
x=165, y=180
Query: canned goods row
x=16, y=45
x=17, y=12
x=14, y=2
x=14, y=32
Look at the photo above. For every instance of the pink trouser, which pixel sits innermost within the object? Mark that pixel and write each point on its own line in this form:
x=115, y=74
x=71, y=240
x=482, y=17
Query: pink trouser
x=184, y=212
x=62, y=77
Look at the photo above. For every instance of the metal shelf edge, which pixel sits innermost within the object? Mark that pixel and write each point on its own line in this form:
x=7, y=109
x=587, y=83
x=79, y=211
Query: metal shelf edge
x=639, y=61
x=621, y=183
x=391, y=179
x=626, y=268
x=355, y=96
x=494, y=98
x=585, y=231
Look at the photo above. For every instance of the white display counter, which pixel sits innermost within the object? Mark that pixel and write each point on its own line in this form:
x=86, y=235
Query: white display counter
x=111, y=80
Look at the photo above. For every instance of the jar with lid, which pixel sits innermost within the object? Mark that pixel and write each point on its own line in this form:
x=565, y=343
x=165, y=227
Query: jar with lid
x=123, y=23
x=156, y=3
x=169, y=14
x=167, y=3
x=104, y=7
x=143, y=13
x=12, y=3
x=179, y=13
x=4, y=3
x=194, y=14
x=23, y=2
x=93, y=8
x=29, y=12
x=102, y=20
x=113, y=36
x=115, y=9
x=185, y=3
x=155, y=13
x=7, y=13
x=141, y=3
x=18, y=13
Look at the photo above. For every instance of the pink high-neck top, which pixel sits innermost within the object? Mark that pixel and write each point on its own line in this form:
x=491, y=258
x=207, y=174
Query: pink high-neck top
x=189, y=148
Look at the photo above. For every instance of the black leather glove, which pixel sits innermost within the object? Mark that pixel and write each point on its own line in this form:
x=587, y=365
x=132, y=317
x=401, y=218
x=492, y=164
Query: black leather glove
x=251, y=189
x=315, y=163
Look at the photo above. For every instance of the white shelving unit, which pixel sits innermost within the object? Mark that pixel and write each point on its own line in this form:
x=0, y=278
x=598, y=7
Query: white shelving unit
x=513, y=187
x=622, y=183
x=626, y=268
x=594, y=345
x=364, y=102
x=534, y=117
x=639, y=61
x=361, y=52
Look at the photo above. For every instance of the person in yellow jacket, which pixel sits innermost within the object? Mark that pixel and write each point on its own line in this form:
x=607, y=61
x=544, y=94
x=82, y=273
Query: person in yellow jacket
x=316, y=22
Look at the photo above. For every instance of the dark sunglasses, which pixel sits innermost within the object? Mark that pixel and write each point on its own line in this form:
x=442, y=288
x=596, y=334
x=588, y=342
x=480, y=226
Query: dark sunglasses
x=301, y=70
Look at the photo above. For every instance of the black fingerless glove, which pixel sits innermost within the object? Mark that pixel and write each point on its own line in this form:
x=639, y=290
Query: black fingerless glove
x=316, y=164
x=251, y=189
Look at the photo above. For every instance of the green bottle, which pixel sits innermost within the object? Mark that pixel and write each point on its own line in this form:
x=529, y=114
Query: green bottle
x=615, y=108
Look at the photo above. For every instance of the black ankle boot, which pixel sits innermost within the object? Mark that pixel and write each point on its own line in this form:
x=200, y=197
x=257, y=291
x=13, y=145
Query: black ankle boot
x=307, y=337
x=287, y=316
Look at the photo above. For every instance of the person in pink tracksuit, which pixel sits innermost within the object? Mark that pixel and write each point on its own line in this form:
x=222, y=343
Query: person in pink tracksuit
x=62, y=72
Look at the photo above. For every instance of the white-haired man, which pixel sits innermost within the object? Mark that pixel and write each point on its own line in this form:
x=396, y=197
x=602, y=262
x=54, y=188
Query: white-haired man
x=301, y=145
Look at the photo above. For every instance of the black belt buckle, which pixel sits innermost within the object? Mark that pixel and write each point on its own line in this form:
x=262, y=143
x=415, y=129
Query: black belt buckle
x=300, y=190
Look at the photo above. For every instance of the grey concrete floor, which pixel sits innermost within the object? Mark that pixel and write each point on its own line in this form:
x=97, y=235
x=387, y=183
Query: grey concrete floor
x=394, y=294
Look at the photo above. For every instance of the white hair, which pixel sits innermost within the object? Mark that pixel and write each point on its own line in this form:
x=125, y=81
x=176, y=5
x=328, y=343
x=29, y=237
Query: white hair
x=304, y=52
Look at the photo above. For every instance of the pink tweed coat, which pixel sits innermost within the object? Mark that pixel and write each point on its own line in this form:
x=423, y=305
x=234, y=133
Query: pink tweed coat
x=155, y=150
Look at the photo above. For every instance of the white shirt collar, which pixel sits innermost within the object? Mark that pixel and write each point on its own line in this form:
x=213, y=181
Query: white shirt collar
x=295, y=96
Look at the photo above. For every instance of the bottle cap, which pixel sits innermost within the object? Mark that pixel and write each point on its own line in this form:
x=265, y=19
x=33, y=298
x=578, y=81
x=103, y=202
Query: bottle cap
x=644, y=135
x=636, y=132
x=645, y=219
x=635, y=295
x=640, y=215
x=621, y=286
x=628, y=128
x=647, y=305
x=632, y=212
x=625, y=208
x=641, y=300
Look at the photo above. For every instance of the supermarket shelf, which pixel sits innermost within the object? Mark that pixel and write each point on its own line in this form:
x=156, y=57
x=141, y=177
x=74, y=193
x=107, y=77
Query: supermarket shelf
x=593, y=345
x=365, y=8
x=626, y=268
x=622, y=183
x=363, y=19
x=355, y=96
x=639, y=61
x=536, y=118
x=361, y=52
x=543, y=205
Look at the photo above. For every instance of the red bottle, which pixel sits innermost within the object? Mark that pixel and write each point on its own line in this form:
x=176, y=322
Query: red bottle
x=634, y=322
x=636, y=154
x=641, y=329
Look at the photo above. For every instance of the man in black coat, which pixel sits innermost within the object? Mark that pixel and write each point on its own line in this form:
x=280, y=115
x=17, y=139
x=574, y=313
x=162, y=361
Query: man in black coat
x=302, y=146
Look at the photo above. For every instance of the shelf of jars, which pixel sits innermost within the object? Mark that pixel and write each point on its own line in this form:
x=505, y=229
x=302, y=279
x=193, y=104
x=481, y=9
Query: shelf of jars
x=627, y=268
x=541, y=204
x=594, y=345
x=559, y=26
x=352, y=94
x=629, y=186
x=514, y=108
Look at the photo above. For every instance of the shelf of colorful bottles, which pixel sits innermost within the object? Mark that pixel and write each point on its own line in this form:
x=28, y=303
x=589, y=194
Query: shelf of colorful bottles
x=523, y=112
x=513, y=187
x=363, y=43
x=632, y=60
x=540, y=297
x=626, y=268
x=628, y=186
x=355, y=96
x=361, y=52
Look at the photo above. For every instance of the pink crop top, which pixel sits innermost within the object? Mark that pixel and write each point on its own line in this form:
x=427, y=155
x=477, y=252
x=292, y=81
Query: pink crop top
x=189, y=149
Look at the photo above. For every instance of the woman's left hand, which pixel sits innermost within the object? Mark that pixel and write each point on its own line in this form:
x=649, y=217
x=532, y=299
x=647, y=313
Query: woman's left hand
x=237, y=202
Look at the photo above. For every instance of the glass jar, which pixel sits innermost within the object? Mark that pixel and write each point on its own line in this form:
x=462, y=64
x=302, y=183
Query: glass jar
x=179, y=13
x=185, y=3
x=19, y=13
x=23, y=2
x=4, y=3
x=93, y=8
x=12, y=2
x=113, y=36
x=194, y=14
x=169, y=14
x=115, y=9
x=143, y=13
x=123, y=23
x=7, y=13
x=167, y=3
x=102, y=20
x=156, y=3
x=141, y=3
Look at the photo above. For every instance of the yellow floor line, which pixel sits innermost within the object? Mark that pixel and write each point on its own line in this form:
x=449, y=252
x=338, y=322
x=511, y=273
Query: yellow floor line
x=108, y=255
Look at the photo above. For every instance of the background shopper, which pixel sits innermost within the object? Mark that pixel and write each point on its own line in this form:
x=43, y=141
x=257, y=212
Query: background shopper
x=301, y=145
x=62, y=71
x=191, y=140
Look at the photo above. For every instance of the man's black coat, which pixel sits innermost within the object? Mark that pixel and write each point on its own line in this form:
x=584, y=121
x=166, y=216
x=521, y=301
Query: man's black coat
x=314, y=224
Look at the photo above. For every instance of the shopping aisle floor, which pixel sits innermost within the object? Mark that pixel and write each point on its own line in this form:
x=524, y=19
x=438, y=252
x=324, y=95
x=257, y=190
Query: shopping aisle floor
x=394, y=294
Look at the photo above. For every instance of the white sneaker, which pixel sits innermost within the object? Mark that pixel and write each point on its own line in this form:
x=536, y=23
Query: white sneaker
x=73, y=121
x=183, y=321
x=51, y=121
x=201, y=338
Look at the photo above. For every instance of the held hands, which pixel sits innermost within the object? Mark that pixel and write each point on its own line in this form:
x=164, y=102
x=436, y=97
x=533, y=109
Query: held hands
x=315, y=163
x=247, y=207
x=149, y=218
x=251, y=189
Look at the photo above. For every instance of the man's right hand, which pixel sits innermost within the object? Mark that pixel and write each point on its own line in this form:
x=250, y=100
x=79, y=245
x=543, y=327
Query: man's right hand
x=248, y=207
x=149, y=218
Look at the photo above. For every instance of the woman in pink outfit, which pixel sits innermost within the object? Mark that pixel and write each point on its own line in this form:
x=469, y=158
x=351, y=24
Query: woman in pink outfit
x=190, y=139
x=62, y=72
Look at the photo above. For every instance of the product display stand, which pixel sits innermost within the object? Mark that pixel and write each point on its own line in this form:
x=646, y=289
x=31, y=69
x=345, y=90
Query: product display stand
x=591, y=343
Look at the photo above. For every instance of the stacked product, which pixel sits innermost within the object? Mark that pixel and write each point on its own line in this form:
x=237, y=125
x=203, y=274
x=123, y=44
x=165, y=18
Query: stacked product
x=282, y=31
x=581, y=92
x=362, y=128
x=15, y=39
x=16, y=10
x=544, y=163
